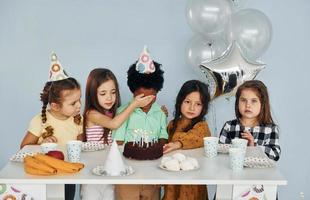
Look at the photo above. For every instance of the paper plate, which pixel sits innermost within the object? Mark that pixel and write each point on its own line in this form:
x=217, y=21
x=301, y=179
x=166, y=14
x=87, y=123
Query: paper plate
x=19, y=157
x=92, y=146
x=181, y=170
x=101, y=172
x=223, y=148
x=256, y=158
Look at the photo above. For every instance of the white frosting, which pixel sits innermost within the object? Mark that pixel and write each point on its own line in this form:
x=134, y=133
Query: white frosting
x=180, y=157
x=179, y=161
x=165, y=159
x=172, y=164
x=114, y=164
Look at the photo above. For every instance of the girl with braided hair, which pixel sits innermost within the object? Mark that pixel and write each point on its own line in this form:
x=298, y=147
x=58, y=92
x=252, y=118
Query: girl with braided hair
x=59, y=120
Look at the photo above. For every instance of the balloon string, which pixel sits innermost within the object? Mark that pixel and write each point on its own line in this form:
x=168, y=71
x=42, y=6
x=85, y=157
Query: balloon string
x=214, y=119
x=211, y=51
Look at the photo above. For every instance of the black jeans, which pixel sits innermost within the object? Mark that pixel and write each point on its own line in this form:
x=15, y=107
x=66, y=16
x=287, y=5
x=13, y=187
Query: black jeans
x=69, y=191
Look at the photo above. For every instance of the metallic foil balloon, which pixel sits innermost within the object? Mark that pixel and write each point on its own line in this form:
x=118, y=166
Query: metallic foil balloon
x=225, y=74
x=208, y=17
x=253, y=32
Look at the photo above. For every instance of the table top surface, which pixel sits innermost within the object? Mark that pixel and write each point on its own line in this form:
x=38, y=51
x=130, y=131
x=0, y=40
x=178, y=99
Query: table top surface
x=212, y=171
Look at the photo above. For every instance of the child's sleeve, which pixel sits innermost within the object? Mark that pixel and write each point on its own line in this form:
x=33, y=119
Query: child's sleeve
x=163, y=126
x=271, y=143
x=224, y=135
x=194, y=137
x=35, y=126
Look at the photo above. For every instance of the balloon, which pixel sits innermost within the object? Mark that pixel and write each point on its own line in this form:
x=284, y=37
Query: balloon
x=238, y=4
x=253, y=31
x=208, y=17
x=225, y=74
x=200, y=49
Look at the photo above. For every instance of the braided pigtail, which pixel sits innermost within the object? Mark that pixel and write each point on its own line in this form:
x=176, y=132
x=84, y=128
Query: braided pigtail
x=44, y=97
x=77, y=119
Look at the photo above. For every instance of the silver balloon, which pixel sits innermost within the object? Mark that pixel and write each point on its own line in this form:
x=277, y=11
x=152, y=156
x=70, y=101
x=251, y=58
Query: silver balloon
x=225, y=74
x=253, y=32
x=238, y=4
x=200, y=49
x=208, y=17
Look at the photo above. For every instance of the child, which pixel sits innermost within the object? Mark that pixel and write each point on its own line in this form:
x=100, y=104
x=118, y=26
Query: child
x=144, y=77
x=186, y=131
x=253, y=120
x=101, y=101
x=61, y=122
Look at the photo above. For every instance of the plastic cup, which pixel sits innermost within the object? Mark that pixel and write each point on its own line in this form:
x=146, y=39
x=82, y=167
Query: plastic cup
x=210, y=146
x=240, y=143
x=236, y=156
x=50, y=146
x=74, y=148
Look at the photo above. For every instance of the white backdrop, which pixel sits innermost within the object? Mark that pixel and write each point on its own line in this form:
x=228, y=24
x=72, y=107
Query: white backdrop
x=88, y=34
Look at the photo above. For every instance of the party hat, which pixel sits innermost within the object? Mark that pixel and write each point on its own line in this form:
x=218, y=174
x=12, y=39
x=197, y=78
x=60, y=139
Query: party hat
x=57, y=73
x=145, y=63
x=114, y=164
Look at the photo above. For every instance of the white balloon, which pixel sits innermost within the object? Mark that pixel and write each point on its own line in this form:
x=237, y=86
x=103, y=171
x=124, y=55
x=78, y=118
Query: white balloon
x=208, y=17
x=253, y=32
x=200, y=49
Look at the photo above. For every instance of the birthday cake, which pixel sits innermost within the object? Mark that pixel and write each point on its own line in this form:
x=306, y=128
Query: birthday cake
x=143, y=148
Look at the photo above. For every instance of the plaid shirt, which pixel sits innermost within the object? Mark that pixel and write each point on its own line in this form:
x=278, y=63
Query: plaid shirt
x=266, y=136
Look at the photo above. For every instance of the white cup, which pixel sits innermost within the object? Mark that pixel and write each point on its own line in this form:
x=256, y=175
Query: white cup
x=50, y=146
x=74, y=148
x=210, y=146
x=240, y=143
x=236, y=156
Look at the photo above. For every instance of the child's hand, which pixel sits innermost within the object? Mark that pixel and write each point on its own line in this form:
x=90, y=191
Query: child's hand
x=248, y=136
x=164, y=109
x=141, y=100
x=172, y=146
x=50, y=139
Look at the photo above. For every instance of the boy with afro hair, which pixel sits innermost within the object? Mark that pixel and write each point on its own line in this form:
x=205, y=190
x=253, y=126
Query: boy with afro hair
x=144, y=77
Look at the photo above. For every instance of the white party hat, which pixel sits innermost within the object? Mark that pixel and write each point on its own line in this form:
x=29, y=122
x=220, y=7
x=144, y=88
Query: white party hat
x=114, y=164
x=56, y=73
x=145, y=63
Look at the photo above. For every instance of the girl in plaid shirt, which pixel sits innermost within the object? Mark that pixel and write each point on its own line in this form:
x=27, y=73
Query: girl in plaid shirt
x=253, y=120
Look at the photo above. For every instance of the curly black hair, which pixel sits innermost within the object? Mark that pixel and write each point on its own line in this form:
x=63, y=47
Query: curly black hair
x=136, y=80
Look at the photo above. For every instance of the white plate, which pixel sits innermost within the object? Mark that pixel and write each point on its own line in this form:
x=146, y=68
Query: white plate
x=253, y=162
x=256, y=158
x=92, y=146
x=181, y=170
x=101, y=172
x=223, y=148
x=19, y=157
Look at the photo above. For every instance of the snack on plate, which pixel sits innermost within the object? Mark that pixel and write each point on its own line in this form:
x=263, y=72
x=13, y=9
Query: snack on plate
x=179, y=162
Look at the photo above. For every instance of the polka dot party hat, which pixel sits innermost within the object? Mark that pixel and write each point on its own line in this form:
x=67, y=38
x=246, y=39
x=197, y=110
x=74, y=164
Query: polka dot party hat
x=145, y=63
x=56, y=73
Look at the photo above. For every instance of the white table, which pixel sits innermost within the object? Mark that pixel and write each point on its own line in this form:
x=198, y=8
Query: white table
x=212, y=171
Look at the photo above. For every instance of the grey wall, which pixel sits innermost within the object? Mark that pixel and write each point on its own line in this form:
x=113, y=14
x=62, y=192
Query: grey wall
x=88, y=34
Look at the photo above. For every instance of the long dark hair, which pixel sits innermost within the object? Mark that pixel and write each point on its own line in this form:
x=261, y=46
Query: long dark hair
x=187, y=88
x=95, y=78
x=261, y=91
x=52, y=94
